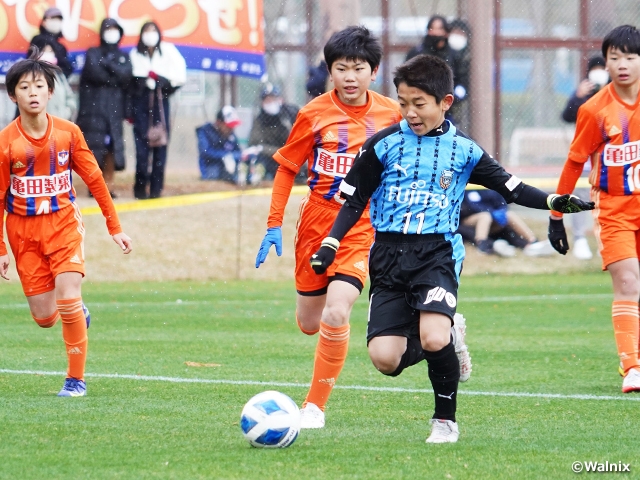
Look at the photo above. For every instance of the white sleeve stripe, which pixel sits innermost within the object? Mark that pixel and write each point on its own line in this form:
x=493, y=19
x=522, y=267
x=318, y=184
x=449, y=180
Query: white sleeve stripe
x=346, y=188
x=512, y=183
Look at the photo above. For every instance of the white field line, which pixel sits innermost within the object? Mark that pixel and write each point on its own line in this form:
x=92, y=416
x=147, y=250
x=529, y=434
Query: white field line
x=149, y=378
x=184, y=303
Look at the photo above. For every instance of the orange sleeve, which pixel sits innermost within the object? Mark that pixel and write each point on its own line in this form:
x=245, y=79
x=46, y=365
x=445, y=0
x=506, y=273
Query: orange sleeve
x=588, y=137
x=586, y=140
x=299, y=145
x=5, y=181
x=282, y=185
x=85, y=165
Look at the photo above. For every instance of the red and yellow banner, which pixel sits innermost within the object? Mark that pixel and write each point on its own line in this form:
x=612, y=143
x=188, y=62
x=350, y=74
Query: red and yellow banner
x=216, y=35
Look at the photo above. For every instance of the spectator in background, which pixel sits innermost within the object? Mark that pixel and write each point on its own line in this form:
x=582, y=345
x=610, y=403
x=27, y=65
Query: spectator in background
x=486, y=222
x=597, y=77
x=269, y=132
x=103, y=84
x=159, y=70
x=458, y=40
x=219, y=151
x=436, y=42
x=50, y=34
x=317, y=80
x=63, y=101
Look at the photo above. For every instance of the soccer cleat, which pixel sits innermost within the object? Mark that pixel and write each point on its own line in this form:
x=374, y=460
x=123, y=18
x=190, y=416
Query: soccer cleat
x=73, y=388
x=504, y=248
x=443, y=431
x=458, y=331
x=87, y=315
x=542, y=248
x=621, y=370
x=631, y=382
x=581, y=249
x=311, y=416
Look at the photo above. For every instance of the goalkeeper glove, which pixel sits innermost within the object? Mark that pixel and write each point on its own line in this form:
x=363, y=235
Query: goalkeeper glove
x=568, y=203
x=272, y=237
x=558, y=236
x=324, y=257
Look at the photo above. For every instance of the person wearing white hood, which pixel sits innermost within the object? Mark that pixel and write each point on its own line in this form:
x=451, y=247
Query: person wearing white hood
x=159, y=70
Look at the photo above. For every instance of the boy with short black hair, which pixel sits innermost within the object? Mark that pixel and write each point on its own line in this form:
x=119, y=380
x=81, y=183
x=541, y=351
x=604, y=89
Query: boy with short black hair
x=608, y=135
x=415, y=173
x=44, y=224
x=327, y=134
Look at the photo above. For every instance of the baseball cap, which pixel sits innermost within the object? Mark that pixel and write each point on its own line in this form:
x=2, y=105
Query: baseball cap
x=229, y=116
x=52, y=12
x=269, y=89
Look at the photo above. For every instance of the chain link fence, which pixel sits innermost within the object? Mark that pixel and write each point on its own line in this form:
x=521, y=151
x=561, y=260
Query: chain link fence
x=544, y=48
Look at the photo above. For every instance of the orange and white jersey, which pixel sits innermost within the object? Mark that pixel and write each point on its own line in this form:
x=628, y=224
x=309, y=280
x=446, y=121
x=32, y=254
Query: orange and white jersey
x=328, y=134
x=35, y=174
x=608, y=133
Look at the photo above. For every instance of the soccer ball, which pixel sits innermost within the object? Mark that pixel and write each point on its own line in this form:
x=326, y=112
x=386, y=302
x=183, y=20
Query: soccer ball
x=270, y=420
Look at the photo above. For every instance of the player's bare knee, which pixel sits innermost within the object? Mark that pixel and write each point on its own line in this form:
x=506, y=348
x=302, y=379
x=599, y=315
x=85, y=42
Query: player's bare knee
x=434, y=342
x=308, y=326
x=336, y=315
x=386, y=365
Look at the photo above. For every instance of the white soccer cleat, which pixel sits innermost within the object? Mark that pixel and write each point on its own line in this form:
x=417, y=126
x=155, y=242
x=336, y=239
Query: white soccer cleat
x=542, y=248
x=311, y=416
x=581, y=249
x=458, y=331
x=631, y=382
x=504, y=248
x=443, y=431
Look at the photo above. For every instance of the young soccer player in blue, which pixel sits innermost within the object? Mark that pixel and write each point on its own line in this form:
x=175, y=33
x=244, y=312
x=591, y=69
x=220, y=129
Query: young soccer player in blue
x=415, y=173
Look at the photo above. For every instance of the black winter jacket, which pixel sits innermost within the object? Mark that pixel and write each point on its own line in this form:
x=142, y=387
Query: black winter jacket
x=103, y=85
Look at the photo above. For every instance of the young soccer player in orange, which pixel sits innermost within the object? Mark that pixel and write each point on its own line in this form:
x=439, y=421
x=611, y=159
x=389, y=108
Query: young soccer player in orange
x=44, y=225
x=327, y=134
x=608, y=134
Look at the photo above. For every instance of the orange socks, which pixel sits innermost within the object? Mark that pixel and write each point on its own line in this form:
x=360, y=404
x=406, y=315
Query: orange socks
x=625, y=327
x=47, y=322
x=331, y=354
x=74, y=333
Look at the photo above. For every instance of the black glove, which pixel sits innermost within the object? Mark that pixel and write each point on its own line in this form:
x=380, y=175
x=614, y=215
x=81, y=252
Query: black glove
x=324, y=257
x=558, y=236
x=568, y=203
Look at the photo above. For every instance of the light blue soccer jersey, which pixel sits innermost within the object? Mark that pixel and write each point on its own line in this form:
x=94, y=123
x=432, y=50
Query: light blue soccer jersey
x=416, y=183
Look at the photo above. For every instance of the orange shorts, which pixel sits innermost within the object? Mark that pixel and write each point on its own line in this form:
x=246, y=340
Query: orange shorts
x=314, y=223
x=45, y=246
x=616, y=226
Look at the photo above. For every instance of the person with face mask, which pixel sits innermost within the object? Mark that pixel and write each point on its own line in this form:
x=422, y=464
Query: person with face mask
x=104, y=81
x=436, y=43
x=159, y=70
x=269, y=132
x=597, y=77
x=63, y=102
x=50, y=34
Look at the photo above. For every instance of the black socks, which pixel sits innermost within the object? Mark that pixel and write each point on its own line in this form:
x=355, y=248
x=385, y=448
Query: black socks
x=444, y=373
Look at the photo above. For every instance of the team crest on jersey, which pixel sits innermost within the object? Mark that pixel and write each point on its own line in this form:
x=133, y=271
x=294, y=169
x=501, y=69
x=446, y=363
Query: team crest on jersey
x=63, y=157
x=445, y=178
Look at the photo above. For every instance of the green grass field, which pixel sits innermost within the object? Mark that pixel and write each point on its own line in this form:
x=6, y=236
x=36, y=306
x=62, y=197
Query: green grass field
x=544, y=392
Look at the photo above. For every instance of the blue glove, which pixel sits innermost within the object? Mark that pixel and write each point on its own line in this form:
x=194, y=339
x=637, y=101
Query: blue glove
x=273, y=237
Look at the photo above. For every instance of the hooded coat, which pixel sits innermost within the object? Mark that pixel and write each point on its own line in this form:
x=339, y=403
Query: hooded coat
x=47, y=38
x=104, y=81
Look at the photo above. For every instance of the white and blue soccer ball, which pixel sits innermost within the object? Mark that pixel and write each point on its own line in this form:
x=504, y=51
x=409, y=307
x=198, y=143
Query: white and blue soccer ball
x=270, y=420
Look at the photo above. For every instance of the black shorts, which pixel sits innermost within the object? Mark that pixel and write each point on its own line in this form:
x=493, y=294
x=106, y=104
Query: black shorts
x=409, y=274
